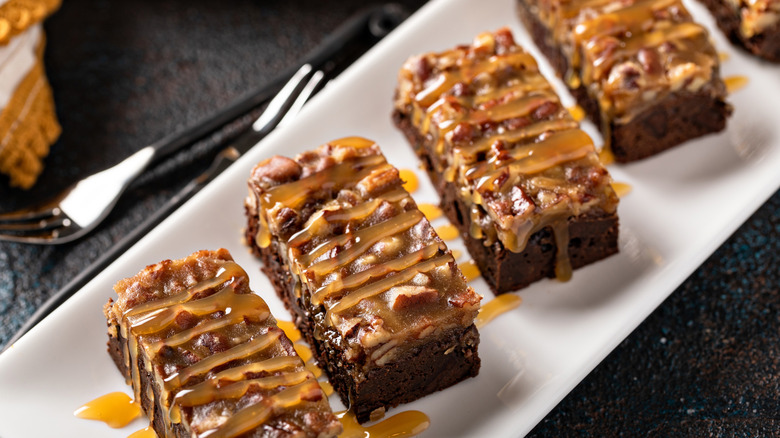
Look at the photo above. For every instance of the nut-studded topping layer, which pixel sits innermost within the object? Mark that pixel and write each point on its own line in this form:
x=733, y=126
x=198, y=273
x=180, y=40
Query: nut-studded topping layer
x=630, y=53
x=222, y=365
x=367, y=262
x=517, y=156
x=756, y=16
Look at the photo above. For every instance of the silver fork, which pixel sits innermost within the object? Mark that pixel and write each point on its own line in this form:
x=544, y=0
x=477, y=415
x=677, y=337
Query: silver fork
x=81, y=207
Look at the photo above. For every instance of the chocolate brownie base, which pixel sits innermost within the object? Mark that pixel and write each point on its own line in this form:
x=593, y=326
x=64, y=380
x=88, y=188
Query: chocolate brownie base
x=149, y=393
x=432, y=367
x=591, y=238
x=679, y=117
x=766, y=44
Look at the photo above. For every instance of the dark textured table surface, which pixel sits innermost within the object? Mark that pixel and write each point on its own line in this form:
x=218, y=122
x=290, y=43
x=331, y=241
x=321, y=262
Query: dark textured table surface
x=705, y=363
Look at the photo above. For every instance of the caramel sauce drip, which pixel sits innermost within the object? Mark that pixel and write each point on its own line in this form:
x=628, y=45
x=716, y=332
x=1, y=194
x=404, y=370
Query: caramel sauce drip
x=577, y=113
x=496, y=307
x=327, y=388
x=447, y=232
x=469, y=269
x=735, y=83
x=116, y=409
x=411, y=183
x=402, y=424
x=288, y=327
x=304, y=352
x=606, y=156
x=430, y=211
x=621, y=189
x=146, y=432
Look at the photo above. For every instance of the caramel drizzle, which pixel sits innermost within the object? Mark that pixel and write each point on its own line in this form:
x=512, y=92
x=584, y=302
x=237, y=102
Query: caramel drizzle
x=377, y=271
x=224, y=277
x=210, y=390
x=329, y=264
x=467, y=73
x=154, y=317
x=159, y=319
x=295, y=193
x=176, y=380
x=254, y=415
x=365, y=237
x=257, y=312
x=386, y=283
x=635, y=26
x=530, y=152
x=316, y=224
x=558, y=148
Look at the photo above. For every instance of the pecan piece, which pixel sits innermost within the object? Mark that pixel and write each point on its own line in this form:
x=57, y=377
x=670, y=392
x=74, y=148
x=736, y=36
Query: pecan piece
x=403, y=297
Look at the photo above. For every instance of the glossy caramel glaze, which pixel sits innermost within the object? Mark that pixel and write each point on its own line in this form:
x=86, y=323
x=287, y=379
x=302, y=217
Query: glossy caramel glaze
x=516, y=155
x=630, y=54
x=366, y=262
x=220, y=363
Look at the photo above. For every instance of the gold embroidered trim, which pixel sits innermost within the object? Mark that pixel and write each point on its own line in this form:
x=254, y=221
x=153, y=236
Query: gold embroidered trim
x=28, y=126
x=16, y=16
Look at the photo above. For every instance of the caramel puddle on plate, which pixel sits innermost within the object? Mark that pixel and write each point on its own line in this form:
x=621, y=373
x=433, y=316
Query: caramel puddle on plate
x=430, y=211
x=447, y=232
x=621, y=189
x=495, y=307
x=116, y=409
x=576, y=111
x=410, y=180
x=735, y=83
x=402, y=424
x=606, y=156
x=456, y=254
x=469, y=269
x=723, y=56
x=146, y=432
x=305, y=353
x=289, y=330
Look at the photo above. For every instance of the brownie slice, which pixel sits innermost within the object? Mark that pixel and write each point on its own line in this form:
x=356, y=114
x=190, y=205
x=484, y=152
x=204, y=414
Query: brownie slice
x=373, y=289
x=641, y=69
x=752, y=24
x=515, y=173
x=205, y=357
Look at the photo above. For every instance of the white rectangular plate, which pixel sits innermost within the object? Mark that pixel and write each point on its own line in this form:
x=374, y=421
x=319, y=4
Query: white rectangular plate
x=684, y=204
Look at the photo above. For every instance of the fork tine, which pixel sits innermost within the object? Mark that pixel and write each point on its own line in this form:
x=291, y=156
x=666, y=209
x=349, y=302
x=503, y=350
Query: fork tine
x=35, y=226
x=29, y=215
